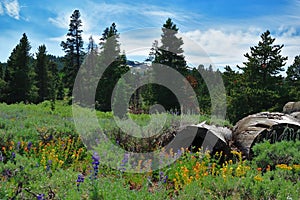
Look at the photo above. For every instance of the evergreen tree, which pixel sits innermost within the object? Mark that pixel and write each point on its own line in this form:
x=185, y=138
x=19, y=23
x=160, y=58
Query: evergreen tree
x=73, y=48
x=53, y=82
x=259, y=87
x=17, y=75
x=114, y=64
x=170, y=54
x=264, y=62
x=293, y=79
x=42, y=76
x=88, y=77
x=153, y=52
x=2, y=82
x=118, y=104
x=92, y=46
x=1, y=70
x=196, y=80
x=144, y=97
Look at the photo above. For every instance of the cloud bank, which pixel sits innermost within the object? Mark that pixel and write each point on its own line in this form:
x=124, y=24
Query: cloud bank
x=11, y=8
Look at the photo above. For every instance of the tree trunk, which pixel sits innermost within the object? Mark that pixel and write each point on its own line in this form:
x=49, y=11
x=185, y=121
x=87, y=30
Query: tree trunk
x=265, y=125
x=203, y=136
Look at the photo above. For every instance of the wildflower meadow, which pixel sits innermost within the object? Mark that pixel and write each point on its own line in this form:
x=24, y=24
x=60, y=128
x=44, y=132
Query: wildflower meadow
x=43, y=157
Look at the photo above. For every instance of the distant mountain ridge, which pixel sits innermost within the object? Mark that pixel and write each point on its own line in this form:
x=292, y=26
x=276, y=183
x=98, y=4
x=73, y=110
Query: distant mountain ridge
x=139, y=67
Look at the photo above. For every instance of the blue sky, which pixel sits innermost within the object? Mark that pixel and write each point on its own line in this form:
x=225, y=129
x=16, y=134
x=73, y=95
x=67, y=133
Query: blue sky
x=225, y=30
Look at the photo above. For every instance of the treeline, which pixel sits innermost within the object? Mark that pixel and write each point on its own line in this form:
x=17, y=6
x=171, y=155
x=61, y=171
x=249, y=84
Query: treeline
x=29, y=80
x=256, y=86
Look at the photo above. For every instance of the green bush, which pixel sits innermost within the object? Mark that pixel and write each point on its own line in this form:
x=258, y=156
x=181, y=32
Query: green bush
x=284, y=152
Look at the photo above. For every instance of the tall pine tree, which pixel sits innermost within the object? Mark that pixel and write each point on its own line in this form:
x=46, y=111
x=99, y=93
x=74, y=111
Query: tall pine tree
x=170, y=54
x=2, y=82
x=17, y=75
x=115, y=66
x=73, y=48
x=293, y=79
x=264, y=62
x=260, y=86
x=42, y=76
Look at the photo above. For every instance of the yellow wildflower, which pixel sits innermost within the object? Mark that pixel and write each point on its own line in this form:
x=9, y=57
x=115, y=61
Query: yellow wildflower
x=258, y=178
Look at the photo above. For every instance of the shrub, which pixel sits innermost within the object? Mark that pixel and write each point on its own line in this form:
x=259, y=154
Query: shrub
x=284, y=152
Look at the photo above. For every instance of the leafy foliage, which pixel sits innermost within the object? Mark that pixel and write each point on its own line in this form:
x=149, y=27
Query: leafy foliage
x=284, y=152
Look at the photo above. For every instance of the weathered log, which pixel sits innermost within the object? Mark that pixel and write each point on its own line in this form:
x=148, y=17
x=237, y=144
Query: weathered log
x=264, y=125
x=291, y=107
x=296, y=115
x=206, y=137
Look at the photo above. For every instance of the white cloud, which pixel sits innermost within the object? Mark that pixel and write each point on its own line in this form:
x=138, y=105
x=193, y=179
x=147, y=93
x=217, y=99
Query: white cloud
x=137, y=43
x=1, y=9
x=217, y=42
x=62, y=21
x=228, y=47
x=57, y=39
x=12, y=8
x=160, y=13
x=222, y=47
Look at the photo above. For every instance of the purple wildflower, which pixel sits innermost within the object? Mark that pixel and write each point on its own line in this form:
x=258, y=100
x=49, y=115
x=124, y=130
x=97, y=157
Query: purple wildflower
x=95, y=163
x=124, y=162
x=40, y=197
x=179, y=152
x=162, y=177
x=29, y=145
x=49, y=165
x=80, y=178
x=13, y=156
x=165, y=179
x=125, y=159
x=1, y=157
x=18, y=145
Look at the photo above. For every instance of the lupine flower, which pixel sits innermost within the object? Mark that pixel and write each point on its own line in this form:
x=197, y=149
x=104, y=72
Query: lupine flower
x=49, y=165
x=80, y=179
x=29, y=145
x=162, y=177
x=40, y=197
x=125, y=159
x=95, y=163
x=1, y=157
x=13, y=156
x=18, y=145
x=124, y=162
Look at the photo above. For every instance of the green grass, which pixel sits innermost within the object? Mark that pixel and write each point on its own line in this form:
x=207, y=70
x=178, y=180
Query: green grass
x=42, y=153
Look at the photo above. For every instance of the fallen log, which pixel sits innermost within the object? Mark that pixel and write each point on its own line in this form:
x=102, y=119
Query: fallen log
x=265, y=125
x=203, y=136
x=296, y=115
x=291, y=107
